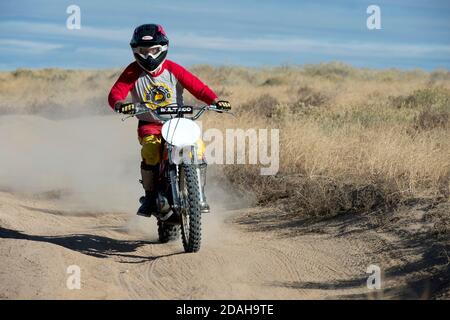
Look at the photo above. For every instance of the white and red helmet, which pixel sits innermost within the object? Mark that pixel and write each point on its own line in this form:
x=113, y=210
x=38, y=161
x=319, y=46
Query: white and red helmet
x=149, y=44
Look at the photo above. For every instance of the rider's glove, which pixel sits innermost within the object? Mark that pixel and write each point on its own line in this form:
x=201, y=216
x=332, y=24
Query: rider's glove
x=223, y=105
x=125, y=108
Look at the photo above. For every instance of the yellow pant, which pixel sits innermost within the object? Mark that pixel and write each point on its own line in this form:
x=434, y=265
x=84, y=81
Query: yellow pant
x=151, y=149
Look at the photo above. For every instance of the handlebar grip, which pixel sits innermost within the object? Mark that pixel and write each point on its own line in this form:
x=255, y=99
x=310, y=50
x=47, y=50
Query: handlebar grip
x=223, y=105
x=125, y=108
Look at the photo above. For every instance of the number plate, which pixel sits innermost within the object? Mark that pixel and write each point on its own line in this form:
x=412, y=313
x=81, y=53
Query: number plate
x=174, y=110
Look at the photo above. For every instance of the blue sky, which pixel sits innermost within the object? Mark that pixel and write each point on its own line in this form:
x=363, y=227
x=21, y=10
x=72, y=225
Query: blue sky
x=414, y=34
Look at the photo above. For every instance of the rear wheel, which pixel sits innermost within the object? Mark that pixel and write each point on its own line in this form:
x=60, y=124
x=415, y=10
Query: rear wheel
x=168, y=232
x=191, y=224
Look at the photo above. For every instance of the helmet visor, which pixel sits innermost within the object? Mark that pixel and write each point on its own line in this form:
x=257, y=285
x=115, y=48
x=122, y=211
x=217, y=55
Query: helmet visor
x=153, y=51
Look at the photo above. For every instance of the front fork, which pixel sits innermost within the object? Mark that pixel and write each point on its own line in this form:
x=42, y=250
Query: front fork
x=174, y=175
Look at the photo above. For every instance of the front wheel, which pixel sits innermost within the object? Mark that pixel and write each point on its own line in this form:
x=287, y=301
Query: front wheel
x=191, y=224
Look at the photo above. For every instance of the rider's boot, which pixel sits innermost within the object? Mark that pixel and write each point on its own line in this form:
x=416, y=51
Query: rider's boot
x=148, y=203
x=204, y=206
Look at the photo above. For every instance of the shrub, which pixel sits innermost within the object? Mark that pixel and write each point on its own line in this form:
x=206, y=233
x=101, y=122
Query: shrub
x=430, y=119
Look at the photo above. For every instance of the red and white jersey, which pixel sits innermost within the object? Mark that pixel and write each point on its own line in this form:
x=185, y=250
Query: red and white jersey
x=161, y=87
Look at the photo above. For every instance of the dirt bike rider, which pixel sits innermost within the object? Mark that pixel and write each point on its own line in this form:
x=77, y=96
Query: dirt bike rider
x=152, y=77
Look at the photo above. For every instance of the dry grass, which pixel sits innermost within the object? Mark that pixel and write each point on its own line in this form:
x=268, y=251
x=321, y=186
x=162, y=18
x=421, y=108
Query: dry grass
x=352, y=140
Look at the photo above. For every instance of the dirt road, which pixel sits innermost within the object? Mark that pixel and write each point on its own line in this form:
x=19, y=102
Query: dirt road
x=119, y=257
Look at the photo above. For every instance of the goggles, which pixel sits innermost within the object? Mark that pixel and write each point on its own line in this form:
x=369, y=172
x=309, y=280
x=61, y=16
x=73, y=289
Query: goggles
x=153, y=51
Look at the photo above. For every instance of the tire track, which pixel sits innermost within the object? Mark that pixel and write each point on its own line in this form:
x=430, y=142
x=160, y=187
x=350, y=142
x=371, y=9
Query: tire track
x=119, y=262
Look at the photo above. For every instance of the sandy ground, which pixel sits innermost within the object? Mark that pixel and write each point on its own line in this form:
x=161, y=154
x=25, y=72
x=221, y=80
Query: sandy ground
x=119, y=257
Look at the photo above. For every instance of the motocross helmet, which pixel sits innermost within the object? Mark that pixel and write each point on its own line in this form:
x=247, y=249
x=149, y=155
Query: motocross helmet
x=149, y=45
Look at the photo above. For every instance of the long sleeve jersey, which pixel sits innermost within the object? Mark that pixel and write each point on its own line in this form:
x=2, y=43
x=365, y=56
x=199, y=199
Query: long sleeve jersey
x=161, y=88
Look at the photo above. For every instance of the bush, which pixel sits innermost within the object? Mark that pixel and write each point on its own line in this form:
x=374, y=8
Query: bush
x=429, y=119
x=329, y=70
x=308, y=97
x=314, y=196
x=428, y=97
x=264, y=106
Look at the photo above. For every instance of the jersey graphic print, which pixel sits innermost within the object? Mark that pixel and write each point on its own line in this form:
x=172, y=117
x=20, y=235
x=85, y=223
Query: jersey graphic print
x=160, y=94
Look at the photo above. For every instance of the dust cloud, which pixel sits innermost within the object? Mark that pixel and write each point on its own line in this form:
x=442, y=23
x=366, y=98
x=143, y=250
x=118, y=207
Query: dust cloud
x=90, y=164
x=85, y=163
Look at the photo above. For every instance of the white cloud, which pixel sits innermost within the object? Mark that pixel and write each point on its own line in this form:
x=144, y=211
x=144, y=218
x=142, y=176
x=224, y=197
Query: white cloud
x=105, y=52
x=51, y=29
x=299, y=45
x=262, y=44
x=28, y=47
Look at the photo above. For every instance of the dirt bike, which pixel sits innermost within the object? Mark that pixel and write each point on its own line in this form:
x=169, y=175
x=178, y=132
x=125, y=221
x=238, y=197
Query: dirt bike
x=179, y=183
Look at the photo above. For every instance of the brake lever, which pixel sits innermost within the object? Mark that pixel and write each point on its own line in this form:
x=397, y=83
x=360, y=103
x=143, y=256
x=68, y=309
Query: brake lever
x=223, y=111
x=133, y=115
x=129, y=116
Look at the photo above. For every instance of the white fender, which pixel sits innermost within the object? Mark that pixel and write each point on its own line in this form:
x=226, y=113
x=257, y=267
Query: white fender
x=181, y=132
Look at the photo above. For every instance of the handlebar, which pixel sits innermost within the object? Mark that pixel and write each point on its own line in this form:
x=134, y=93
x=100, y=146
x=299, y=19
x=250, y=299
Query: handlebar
x=141, y=108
